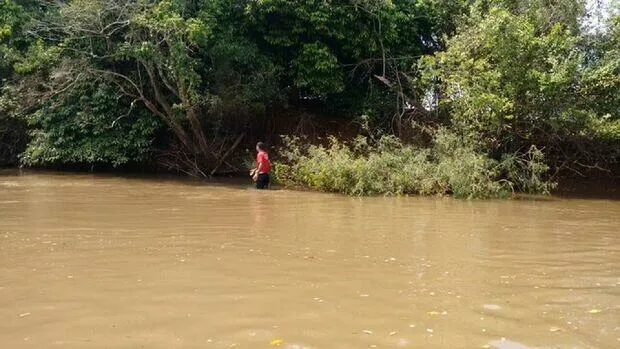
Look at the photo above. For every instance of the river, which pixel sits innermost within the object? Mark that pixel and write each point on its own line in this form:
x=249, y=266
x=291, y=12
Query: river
x=94, y=261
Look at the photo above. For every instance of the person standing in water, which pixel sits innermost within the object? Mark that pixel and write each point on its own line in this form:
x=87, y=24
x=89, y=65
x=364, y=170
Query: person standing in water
x=263, y=166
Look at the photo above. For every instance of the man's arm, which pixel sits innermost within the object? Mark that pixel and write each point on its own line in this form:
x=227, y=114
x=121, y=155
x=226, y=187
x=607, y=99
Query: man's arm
x=258, y=168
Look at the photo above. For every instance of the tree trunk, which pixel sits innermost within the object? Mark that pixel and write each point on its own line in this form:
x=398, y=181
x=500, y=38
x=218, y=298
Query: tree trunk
x=194, y=121
x=168, y=114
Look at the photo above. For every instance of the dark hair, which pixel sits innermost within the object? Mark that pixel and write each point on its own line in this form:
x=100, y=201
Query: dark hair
x=261, y=146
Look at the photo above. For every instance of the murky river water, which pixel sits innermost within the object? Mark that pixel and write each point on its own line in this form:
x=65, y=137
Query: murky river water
x=106, y=262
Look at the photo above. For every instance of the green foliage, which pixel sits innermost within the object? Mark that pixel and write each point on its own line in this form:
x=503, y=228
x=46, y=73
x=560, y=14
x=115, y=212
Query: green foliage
x=179, y=37
x=317, y=70
x=453, y=165
x=518, y=84
x=193, y=64
x=526, y=171
x=85, y=127
x=465, y=171
x=243, y=79
x=12, y=17
x=543, y=14
x=331, y=49
x=14, y=46
x=600, y=83
x=498, y=71
x=444, y=16
x=512, y=74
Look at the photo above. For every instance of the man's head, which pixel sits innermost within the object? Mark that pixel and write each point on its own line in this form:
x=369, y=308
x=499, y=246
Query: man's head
x=260, y=146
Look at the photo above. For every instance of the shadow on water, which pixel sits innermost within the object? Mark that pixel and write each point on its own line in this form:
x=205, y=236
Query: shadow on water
x=240, y=182
x=600, y=188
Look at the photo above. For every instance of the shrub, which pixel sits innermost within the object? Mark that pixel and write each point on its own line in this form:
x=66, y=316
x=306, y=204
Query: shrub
x=452, y=165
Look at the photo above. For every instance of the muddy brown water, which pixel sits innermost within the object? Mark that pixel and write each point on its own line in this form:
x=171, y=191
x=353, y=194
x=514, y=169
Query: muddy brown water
x=106, y=262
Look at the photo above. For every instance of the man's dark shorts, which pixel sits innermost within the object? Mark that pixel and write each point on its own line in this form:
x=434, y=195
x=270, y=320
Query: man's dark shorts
x=262, y=182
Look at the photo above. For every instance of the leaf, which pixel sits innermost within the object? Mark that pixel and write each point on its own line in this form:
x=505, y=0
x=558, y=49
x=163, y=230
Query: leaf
x=276, y=342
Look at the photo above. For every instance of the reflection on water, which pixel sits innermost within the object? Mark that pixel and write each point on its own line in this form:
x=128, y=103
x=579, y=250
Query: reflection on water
x=507, y=344
x=103, y=262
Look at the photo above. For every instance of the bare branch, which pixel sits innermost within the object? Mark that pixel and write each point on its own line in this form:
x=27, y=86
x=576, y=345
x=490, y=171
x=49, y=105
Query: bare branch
x=123, y=77
x=133, y=103
x=166, y=82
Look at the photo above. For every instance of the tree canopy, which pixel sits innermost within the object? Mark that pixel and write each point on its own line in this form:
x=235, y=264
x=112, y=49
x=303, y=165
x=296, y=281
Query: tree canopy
x=180, y=83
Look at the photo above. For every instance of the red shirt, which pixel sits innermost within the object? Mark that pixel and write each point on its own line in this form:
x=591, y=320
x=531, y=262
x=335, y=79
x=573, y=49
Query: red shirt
x=263, y=157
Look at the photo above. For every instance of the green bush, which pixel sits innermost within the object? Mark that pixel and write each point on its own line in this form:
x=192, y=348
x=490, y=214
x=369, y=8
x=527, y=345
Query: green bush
x=452, y=165
x=87, y=127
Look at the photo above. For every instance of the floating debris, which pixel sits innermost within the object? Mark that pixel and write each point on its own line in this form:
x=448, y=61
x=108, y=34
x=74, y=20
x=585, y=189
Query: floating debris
x=492, y=307
x=393, y=333
x=276, y=342
x=595, y=311
x=367, y=331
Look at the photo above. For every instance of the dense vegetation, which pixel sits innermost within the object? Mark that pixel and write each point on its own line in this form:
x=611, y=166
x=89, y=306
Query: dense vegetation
x=451, y=165
x=472, y=97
